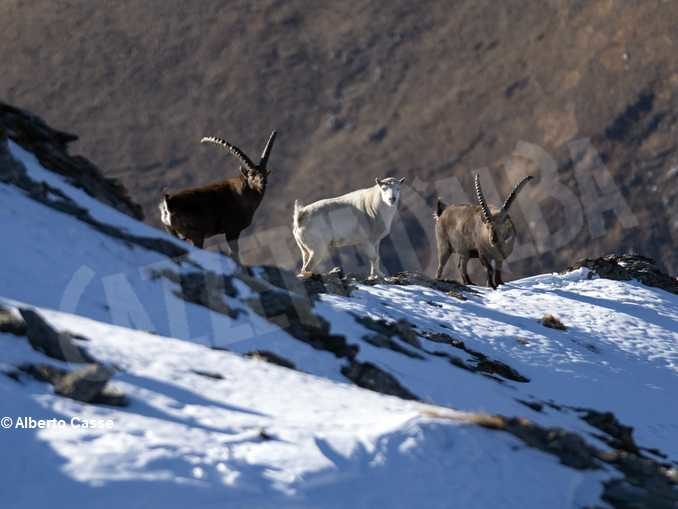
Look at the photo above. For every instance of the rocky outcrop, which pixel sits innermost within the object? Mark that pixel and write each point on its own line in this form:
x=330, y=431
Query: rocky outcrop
x=626, y=267
x=51, y=148
x=47, y=340
x=643, y=483
x=369, y=376
x=479, y=362
x=88, y=384
x=337, y=282
x=10, y=323
x=270, y=357
x=13, y=172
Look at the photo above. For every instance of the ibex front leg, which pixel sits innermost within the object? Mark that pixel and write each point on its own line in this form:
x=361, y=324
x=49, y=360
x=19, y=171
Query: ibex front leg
x=497, y=273
x=372, y=253
x=487, y=264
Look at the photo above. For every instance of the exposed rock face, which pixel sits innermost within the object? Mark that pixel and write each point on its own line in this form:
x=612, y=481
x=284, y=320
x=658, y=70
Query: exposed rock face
x=45, y=339
x=643, y=483
x=13, y=172
x=11, y=324
x=88, y=384
x=270, y=357
x=626, y=267
x=51, y=148
x=369, y=376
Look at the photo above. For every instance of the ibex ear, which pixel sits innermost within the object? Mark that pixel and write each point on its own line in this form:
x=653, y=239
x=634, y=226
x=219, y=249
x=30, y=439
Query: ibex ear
x=376, y=179
x=402, y=180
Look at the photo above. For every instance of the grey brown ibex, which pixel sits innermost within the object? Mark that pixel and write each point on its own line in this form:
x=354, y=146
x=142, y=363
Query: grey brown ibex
x=222, y=207
x=476, y=231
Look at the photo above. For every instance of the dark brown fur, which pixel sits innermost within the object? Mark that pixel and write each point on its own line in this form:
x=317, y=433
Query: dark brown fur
x=226, y=207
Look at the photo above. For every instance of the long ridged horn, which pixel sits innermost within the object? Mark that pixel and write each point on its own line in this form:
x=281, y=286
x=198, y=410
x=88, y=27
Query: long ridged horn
x=246, y=161
x=514, y=193
x=487, y=215
x=267, y=151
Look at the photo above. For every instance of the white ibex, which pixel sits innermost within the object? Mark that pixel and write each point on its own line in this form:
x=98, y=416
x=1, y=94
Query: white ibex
x=361, y=218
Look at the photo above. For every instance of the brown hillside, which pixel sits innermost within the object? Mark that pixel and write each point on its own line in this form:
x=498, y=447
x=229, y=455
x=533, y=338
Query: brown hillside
x=428, y=90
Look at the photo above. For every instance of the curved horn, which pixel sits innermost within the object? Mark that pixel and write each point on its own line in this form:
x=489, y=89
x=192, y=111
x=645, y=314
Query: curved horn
x=267, y=150
x=514, y=193
x=487, y=215
x=246, y=161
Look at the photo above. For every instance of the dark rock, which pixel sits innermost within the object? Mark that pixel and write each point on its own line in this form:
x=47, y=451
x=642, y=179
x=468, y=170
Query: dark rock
x=379, y=135
x=50, y=147
x=11, y=324
x=385, y=331
x=205, y=288
x=537, y=407
x=270, y=357
x=14, y=173
x=480, y=363
x=569, y=448
x=552, y=322
x=627, y=267
x=85, y=383
x=335, y=283
x=45, y=339
x=369, y=376
x=208, y=374
x=88, y=384
x=620, y=436
x=13, y=374
x=295, y=315
x=494, y=367
x=451, y=288
x=278, y=277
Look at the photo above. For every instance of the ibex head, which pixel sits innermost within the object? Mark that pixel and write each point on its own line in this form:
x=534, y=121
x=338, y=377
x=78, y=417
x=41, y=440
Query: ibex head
x=389, y=189
x=500, y=229
x=255, y=175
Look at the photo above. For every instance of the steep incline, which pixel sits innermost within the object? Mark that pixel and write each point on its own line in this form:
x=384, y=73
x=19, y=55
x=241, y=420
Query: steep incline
x=572, y=365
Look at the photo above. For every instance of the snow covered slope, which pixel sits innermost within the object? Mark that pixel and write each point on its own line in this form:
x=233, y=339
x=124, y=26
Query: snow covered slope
x=205, y=426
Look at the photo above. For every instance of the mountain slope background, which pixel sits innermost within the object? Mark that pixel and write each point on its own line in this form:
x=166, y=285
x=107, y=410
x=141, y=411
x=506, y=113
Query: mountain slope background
x=431, y=90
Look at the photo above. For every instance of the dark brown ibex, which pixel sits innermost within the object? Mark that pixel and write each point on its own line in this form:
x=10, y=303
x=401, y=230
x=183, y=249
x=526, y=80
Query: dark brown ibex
x=475, y=231
x=222, y=207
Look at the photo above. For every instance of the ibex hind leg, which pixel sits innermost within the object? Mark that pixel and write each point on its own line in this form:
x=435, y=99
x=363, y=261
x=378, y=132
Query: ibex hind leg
x=444, y=253
x=463, y=269
x=315, y=258
x=305, y=255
